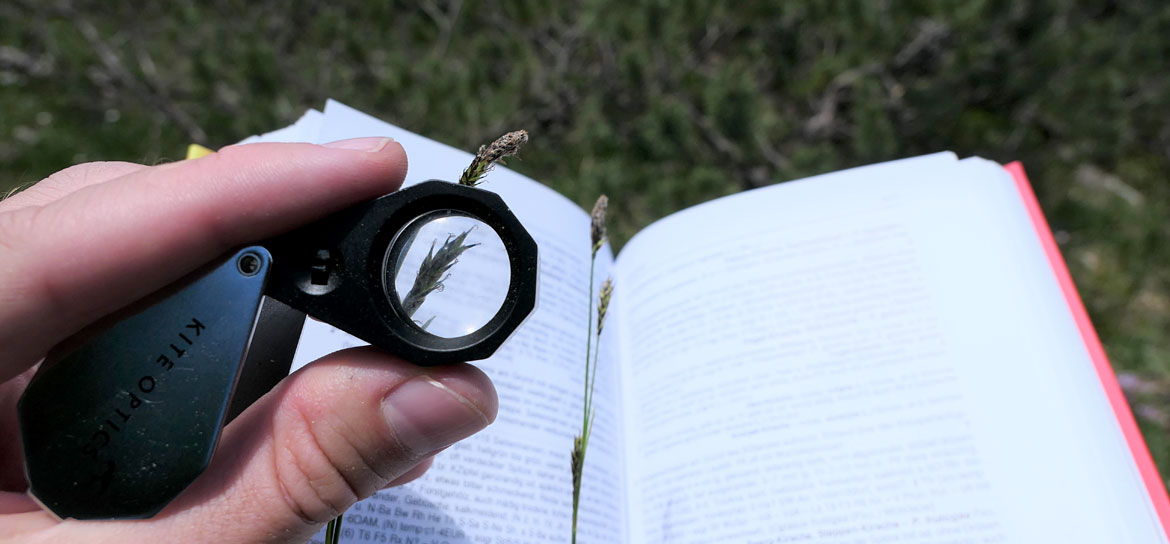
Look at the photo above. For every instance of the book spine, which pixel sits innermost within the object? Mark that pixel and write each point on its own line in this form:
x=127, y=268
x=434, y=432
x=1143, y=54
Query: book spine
x=1129, y=428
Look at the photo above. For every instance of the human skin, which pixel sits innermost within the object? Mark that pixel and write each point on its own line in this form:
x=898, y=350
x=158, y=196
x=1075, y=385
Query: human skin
x=96, y=237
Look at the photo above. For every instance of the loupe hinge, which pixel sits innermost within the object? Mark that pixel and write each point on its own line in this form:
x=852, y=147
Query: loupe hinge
x=270, y=354
x=321, y=267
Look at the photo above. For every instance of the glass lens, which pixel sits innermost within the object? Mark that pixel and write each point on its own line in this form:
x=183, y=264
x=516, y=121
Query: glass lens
x=449, y=272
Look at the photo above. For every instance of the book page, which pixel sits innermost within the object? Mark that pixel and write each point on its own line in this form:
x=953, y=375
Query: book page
x=511, y=482
x=876, y=355
x=305, y=129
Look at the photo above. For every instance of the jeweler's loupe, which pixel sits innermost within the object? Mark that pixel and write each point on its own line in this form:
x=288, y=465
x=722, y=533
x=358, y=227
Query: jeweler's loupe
x=119, y=422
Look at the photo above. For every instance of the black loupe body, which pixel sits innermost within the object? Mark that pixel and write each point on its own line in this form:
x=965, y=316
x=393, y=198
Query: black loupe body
x=336, y=270
x=120, y=421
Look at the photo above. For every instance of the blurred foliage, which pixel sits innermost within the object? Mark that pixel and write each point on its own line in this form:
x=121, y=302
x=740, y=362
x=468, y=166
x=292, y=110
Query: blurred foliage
x=661, y=104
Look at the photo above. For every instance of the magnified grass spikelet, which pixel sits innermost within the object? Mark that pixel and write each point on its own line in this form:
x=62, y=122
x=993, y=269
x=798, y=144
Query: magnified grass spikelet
x=434, y=270
x=505, y=146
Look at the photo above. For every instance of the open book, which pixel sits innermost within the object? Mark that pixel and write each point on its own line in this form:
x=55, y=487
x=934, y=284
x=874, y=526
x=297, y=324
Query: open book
x=893, y=353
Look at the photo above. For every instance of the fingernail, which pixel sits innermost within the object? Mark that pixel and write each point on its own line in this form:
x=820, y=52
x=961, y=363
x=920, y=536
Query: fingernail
x=371, y=145
x=427, y=416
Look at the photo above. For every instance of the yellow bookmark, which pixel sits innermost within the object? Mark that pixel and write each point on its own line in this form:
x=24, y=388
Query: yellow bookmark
x=194, y=151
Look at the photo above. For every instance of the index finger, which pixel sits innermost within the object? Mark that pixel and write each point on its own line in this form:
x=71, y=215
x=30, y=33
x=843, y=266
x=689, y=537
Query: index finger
x=74, y=260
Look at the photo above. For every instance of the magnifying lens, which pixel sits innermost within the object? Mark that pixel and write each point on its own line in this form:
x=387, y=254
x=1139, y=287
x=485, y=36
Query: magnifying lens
x=119, y=422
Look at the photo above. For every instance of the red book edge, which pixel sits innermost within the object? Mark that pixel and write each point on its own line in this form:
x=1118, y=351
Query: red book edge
x=1129, y=428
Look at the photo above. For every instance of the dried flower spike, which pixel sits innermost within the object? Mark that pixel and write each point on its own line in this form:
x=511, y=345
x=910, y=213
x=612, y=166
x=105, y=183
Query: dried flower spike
x=597, y=225
x=505, y=146
x=603, y=303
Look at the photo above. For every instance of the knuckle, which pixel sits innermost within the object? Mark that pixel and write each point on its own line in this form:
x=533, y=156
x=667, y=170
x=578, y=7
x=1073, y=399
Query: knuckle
x=18, y=229
x=81, y=173
x=312, y=486
x=316, y=486
x=232, y=158
x=14, y=226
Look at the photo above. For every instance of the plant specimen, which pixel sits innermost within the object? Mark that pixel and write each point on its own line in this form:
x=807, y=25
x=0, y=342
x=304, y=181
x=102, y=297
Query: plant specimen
x=597, y=236
x=487, y=157
x=435, y=268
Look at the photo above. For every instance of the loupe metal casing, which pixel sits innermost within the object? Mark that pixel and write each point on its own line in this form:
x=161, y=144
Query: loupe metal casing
x=118, y=422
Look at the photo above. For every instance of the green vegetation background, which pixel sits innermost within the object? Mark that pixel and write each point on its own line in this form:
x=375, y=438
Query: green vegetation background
x=660, y=104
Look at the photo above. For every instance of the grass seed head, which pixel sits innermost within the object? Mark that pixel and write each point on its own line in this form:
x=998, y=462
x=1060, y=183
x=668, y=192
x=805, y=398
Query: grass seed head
x=603, y=304
x=505, y=146
x=597, y=223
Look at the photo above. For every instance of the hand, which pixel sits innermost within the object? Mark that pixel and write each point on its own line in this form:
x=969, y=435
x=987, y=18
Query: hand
x=95, y=237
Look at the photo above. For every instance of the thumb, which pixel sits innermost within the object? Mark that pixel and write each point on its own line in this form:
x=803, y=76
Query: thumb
x=334, y=433
x=330, y=434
